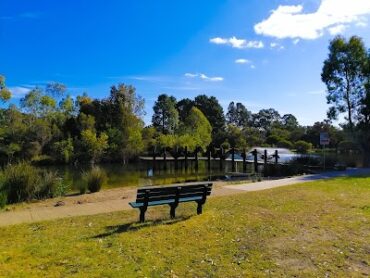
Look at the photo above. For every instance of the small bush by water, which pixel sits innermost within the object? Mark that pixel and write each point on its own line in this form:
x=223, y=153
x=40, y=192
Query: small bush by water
x=95, y=179
x=24, y=182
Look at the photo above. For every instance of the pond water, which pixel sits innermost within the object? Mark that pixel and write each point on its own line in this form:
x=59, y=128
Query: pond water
x=143, y=173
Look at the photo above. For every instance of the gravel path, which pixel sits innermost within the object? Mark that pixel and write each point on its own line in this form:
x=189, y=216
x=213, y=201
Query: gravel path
x=117, y=199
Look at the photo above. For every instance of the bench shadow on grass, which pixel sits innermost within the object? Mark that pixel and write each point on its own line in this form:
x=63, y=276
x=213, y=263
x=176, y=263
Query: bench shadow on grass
x=136, y=226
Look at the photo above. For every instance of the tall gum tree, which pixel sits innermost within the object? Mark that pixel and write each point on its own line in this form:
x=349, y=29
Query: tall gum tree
x=343, y=76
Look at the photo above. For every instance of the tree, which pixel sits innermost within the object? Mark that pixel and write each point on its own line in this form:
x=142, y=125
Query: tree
x=5, y=94
x=289, y=122
x=198, y=126
x=302, y=146
x=94, y=145
x=343, y=75
x=183, y=107
x=265, y=118
x=238, y=115
x=166, y=117
x=55, y=89
x=212, y=109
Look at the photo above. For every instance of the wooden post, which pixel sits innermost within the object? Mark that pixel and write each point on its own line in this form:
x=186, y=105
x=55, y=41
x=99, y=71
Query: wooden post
x=164, y=159
x=276, y=157
x=221, y=155
x=209, y=161
x=244, y=161
x=233, y=159
x=154, y=158
x=176, y=159
x=255, y=161
x=265, y=163
x=186, y=158
x=196, y=160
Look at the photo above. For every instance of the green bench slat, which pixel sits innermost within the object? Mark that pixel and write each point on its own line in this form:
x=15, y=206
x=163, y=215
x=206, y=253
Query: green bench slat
x=165, y=202
x=171, y=196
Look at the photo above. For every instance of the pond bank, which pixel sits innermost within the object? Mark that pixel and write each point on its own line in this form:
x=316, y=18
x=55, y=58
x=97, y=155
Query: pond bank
x=117, y=199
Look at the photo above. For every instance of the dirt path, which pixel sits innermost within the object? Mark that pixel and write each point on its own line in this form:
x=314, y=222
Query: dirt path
x=118, y=199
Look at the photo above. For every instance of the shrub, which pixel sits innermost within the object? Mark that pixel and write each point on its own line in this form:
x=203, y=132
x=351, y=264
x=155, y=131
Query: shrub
x=95, y=179
x=50, y=185
x=82, y=186
x=302, y=146
x=3, y=199
x=21, y=182
x=3, y=193
x=285, y=144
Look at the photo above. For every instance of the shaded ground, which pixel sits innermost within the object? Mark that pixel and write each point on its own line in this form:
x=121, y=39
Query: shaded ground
x=117, y=199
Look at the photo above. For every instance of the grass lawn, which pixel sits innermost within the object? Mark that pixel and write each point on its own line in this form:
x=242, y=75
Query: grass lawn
x=319, y=229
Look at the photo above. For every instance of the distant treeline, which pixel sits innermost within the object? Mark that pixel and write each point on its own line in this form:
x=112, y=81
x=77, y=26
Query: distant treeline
x=49, y=126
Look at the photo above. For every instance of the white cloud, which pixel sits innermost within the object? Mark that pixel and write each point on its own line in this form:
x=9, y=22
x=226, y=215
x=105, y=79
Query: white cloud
x=338, y=29
x=296, y=41
x=276, y=46
x=253, y=66
x=332, y=15
x=243, y=61
x=190, y=75
x=204, y=77
x=237, y=43
x=19, y=91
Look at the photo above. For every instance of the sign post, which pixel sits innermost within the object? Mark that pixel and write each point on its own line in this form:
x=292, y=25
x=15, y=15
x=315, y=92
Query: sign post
x=324, y=141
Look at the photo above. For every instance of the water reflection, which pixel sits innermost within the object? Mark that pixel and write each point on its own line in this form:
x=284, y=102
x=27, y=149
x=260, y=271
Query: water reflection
x=146, y=173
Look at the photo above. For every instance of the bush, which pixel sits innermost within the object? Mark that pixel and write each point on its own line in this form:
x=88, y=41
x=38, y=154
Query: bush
x=21, y=182
x=285, y=144
x=50, y=186
x=3, y=199
x=82, y=186
x=95, y=179
x=302, y=146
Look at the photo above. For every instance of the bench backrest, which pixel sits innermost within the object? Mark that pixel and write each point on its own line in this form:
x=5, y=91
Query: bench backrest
x=175, y=191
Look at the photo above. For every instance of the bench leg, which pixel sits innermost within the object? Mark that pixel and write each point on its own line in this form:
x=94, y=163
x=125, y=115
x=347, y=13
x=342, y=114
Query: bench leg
x=173, y=210
x=142, y=214
x=200, y=208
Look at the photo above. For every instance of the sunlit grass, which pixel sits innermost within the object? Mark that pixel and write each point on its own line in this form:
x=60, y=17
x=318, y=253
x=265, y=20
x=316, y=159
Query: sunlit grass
x=313, y=229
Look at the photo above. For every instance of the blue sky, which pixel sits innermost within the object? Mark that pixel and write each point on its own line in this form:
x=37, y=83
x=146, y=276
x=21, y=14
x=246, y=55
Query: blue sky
x=263, y=53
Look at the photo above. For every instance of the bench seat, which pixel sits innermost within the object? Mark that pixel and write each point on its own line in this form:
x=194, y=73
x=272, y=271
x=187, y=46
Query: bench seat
x=166, y=202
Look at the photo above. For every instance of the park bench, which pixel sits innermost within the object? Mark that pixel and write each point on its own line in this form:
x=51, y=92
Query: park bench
x=171, y=195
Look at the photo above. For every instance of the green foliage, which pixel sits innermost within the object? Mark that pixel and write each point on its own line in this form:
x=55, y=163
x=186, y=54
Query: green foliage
x=63, y=150
x=346, y=146
x=3, y=192
x=302, y=146
x=21, y=182
x=199, y=127
x=5, y=94
x=212, y=110
x=343, y=75
x=82, y=187
x=50, y=185
x=95, y=179
x=94, y=145
x=165, y=117
x=238, y=115
x=285, y=144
